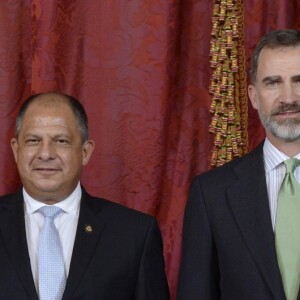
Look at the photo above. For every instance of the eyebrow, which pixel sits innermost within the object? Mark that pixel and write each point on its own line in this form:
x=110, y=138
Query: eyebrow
x=296, y=78
x=29, y=135
x=271, y=78
x=278, y=78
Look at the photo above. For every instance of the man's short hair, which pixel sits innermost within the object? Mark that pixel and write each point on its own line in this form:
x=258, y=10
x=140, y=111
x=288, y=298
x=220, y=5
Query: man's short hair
x=73, y=103
x=273, y=39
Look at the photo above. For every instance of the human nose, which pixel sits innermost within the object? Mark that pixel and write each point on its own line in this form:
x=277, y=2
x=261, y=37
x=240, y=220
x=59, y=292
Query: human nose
x=290, y=94
x=46, y=150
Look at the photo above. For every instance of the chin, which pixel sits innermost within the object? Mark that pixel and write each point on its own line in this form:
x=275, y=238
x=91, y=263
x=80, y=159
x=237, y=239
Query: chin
x=45, y=190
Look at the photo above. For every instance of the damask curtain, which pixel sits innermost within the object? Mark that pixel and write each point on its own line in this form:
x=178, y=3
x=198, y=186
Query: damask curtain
x=142, y=70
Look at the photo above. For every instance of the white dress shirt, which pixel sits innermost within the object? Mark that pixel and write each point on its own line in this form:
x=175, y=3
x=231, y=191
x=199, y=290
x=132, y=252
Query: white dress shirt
x=66, y=224
x=275, y=172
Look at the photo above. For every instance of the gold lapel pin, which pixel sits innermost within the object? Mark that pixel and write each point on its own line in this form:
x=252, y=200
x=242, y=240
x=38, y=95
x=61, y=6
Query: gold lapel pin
x=88, y=228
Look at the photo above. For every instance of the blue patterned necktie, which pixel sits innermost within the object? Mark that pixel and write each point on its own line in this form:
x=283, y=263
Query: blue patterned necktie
x=287, y=231
x=52, y=279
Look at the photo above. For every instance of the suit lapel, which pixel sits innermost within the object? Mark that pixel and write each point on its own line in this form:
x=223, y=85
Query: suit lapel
x=12, y=228
x=87, y=236
x=248, y=199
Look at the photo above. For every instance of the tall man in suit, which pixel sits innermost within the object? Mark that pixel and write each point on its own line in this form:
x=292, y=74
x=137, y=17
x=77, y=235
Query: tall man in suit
x=229, y=249
x=109, y=251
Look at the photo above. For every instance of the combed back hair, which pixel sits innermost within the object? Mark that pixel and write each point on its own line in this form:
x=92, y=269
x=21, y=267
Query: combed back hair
x=54, y=97
x=272, y=40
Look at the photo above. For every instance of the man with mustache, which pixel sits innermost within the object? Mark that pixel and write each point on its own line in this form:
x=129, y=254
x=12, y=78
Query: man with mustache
x=234, y=243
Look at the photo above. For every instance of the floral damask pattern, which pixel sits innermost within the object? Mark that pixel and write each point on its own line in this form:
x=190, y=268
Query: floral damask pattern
x=141, y=68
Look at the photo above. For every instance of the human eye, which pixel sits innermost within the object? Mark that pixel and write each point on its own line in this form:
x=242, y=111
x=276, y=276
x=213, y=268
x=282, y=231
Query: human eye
x=31, y=141
x=272, y=82
x=61, y=141
x=296, y=80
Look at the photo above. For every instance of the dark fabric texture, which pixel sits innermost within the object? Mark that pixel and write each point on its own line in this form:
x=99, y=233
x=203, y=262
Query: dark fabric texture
x=229, y=243
x=119, y=257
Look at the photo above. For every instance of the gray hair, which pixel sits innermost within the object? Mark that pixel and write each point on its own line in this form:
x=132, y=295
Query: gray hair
x=272, y=40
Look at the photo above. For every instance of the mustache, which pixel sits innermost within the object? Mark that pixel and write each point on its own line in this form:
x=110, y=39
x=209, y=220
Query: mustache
x=290, y=107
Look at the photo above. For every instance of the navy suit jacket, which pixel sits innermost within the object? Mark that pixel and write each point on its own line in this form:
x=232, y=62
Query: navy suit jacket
x=228, y=242
x=119, y=258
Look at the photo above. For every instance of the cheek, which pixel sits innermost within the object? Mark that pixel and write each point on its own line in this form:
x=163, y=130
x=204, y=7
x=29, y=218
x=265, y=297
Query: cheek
x=266, y=101
x=71, y=160
x=24, y=158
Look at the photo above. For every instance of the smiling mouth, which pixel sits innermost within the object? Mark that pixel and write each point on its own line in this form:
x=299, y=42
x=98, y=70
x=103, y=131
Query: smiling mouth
x=46, y=170
x=287, y=113
x=287, y=110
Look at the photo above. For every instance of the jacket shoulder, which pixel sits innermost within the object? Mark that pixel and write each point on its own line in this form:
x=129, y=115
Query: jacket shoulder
x=118, y=212
x=230, y=171
x=12, y=199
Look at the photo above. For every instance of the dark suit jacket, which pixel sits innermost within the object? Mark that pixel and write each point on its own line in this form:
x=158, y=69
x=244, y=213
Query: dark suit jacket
x=228, y=241
x=121, y=258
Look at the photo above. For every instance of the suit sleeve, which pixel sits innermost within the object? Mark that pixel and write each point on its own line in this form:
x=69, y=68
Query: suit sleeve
x=152, y=282
x=199, y=275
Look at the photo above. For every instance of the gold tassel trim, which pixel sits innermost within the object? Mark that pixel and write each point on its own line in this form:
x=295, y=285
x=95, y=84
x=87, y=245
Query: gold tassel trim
x=228, y=83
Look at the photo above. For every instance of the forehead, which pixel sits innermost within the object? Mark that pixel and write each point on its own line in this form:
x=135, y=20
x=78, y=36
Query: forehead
x=283, y=61
x=43, y=113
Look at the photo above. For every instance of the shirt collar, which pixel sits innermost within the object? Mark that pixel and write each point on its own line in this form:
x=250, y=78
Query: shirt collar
x=273, y=157
x=70, y=205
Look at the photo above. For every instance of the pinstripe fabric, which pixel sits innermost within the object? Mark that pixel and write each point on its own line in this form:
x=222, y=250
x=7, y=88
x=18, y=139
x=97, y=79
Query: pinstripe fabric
x=275, y=171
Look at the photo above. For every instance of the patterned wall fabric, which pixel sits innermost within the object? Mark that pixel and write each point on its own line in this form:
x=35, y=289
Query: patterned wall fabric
x=141, y=68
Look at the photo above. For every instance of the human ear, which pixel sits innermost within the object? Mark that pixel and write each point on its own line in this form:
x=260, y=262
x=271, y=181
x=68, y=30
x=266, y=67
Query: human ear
x=87, y=150
x=253, y=96
x=14, y=146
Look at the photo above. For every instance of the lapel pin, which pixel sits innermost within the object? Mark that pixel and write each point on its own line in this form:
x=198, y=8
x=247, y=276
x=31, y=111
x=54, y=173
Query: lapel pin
x=88, y=228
